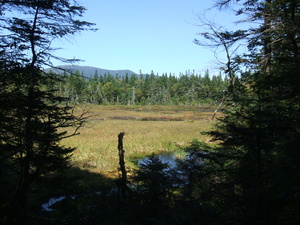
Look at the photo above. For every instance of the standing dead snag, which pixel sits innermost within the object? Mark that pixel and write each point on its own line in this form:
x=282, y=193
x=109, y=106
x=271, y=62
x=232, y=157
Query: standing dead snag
x=123, y=181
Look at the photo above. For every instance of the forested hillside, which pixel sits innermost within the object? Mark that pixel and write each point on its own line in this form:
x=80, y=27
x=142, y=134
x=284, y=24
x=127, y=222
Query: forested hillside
x=143, y=89
x=86, y=70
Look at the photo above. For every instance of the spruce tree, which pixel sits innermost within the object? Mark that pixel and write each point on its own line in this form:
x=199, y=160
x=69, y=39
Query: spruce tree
x=33, y=118
x=259, y=133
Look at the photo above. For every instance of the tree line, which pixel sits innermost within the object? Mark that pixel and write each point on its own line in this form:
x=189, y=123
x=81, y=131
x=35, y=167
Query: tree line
x=143, y=89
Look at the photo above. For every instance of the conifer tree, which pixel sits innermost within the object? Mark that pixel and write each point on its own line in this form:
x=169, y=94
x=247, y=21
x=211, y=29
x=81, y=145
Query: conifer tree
x=260, y=130
x=33, y=117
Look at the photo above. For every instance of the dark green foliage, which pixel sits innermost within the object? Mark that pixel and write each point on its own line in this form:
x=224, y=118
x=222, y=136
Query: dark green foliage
x=33, y=117
x=153, y=180
x=144, y=89
x=260, y=131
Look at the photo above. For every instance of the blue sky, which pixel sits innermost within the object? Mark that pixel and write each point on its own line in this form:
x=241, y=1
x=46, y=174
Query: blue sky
x=144, y=35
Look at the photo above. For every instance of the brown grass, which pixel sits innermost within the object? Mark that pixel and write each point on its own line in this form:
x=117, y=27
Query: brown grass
x=147, y=129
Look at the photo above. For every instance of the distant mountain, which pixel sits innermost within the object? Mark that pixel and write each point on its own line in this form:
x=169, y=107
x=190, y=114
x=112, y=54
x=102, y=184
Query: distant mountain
x=89, y=71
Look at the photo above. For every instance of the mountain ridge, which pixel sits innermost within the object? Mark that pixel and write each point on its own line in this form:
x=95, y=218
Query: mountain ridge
x=89, y=71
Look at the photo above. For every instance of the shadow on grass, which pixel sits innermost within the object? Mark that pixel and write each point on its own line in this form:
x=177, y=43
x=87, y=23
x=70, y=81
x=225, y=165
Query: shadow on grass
x=69, y=197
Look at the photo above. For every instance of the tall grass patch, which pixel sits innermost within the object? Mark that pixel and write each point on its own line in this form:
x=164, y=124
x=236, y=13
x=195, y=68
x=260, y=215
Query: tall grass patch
x=97, y=143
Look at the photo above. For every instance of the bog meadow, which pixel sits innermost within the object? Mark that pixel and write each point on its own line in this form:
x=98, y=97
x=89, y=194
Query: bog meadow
x=148, y=129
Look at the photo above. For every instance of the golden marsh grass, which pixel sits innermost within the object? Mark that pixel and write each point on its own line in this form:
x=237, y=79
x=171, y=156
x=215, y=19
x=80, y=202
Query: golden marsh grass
x=147, y=129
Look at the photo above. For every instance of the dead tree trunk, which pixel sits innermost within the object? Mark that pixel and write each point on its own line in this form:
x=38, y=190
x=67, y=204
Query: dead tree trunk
x=123, y=180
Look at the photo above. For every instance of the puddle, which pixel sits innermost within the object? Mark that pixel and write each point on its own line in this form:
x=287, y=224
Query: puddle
x=47, y=206
x=166, y=158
